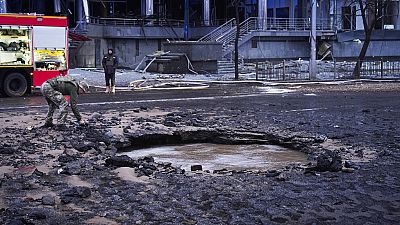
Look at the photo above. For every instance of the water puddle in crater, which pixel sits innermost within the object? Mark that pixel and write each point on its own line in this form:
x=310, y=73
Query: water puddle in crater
x=216, y=156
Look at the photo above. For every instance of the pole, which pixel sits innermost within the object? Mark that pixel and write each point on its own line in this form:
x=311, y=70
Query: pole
x=262, y=14
x=186, y=22
x=206, y=12
x=3, y=6
x=57, y=6
x=257, y=70
x=313, y=39
x=237, y=40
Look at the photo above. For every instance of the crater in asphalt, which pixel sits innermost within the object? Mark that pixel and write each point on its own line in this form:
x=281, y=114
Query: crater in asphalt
x=221, y=156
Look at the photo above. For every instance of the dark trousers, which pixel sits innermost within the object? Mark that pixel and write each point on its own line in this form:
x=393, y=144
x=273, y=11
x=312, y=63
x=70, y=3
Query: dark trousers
x=110, y=77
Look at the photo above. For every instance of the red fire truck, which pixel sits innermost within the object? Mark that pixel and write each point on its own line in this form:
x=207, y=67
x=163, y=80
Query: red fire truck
x=33, y=49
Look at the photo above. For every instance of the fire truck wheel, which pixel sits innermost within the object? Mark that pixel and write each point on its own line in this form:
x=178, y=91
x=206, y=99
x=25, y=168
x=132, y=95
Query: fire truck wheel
x=15, y=84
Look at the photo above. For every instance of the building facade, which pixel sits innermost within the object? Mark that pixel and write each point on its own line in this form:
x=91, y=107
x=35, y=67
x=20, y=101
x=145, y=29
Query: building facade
x=271, y=29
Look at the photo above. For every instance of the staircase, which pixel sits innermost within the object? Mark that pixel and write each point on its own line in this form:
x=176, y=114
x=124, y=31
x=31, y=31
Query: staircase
x=78, y=35
x=219, y=31
x=226, y=34
x=76, y=39
x=245, y=33
x=225, y=67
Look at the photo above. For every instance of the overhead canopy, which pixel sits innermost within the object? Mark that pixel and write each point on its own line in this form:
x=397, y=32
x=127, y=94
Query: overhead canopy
x=77, y=37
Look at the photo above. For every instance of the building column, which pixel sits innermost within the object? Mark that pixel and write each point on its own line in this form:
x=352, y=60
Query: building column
x=147, y=7
x=313, y=39
x=206, y=12
x=359, y=19
x=3, y=6
x=57, y=6
x=398, y=16
x=186, y=21
x=262, y=14
x=292, y=9
x=79, y=10
x=86, y=10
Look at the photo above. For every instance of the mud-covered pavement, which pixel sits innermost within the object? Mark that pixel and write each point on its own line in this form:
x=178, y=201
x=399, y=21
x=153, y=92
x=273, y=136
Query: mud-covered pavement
x=70, y=174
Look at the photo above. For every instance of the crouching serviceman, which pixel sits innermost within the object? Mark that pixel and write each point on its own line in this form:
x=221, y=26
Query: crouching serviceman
x=55, y=89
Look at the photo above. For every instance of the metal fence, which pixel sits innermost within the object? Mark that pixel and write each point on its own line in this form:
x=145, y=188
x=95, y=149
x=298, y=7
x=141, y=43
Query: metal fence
x=327, y=70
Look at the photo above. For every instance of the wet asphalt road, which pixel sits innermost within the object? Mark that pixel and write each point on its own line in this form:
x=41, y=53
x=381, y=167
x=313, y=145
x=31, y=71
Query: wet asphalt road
x=342, y=112
x=128, y=97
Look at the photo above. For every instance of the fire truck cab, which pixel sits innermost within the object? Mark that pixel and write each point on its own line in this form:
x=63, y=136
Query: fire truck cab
x=33, y=49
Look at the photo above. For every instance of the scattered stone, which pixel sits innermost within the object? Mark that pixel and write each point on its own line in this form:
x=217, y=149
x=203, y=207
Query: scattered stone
x=16, y=222
x=66, y=158
x=329, y=161
x=279, y=219
x=72, y=169
x=121, y=161
x=71, y=194
x=196, y=168
x=6, y=151
x=148, y=159
x=38, y=173
x=60, y=139
x=84, y=146
x=109, y=134
x=348, y=170
x=272, y=173
x=281, y=177
x=351, y=164
x=38, y=214
x=169, y=124
x=221, y=171
x=96, y=116
x=48, y=200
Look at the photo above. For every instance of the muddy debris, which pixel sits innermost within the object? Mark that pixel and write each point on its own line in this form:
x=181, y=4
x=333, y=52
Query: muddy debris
x=338, y=186
x=74, y=194
x=145, y=166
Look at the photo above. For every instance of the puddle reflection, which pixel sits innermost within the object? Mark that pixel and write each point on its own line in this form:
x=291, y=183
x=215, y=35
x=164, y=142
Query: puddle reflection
x=215, y=156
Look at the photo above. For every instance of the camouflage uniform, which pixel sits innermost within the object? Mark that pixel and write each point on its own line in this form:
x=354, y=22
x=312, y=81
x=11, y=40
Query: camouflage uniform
x=54, y=91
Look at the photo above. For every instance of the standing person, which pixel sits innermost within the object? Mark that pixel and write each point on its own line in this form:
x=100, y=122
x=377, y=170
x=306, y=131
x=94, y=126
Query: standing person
x=110, y=64
x=54, y=91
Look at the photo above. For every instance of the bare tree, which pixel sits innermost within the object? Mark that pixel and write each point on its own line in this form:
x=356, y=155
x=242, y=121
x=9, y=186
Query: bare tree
x=371, y=12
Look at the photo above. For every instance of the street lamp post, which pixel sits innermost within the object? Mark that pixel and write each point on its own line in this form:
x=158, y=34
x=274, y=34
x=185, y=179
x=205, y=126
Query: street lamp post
x=3, y=6
x=313, y=40
x=186, y=21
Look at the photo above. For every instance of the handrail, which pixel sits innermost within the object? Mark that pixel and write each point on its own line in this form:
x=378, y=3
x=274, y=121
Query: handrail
x=245, y=27
x=135, y=22
x=213, y=35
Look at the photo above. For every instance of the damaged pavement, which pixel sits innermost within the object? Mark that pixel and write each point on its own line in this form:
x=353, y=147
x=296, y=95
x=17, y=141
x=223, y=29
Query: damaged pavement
x=80, y=175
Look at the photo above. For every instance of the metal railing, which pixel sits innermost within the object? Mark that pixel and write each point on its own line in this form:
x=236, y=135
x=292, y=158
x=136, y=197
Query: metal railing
x=327, y=70
x=292, y=24
x=245, y=27
x=218, y=32
x=135, y=22
x=227, y=37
